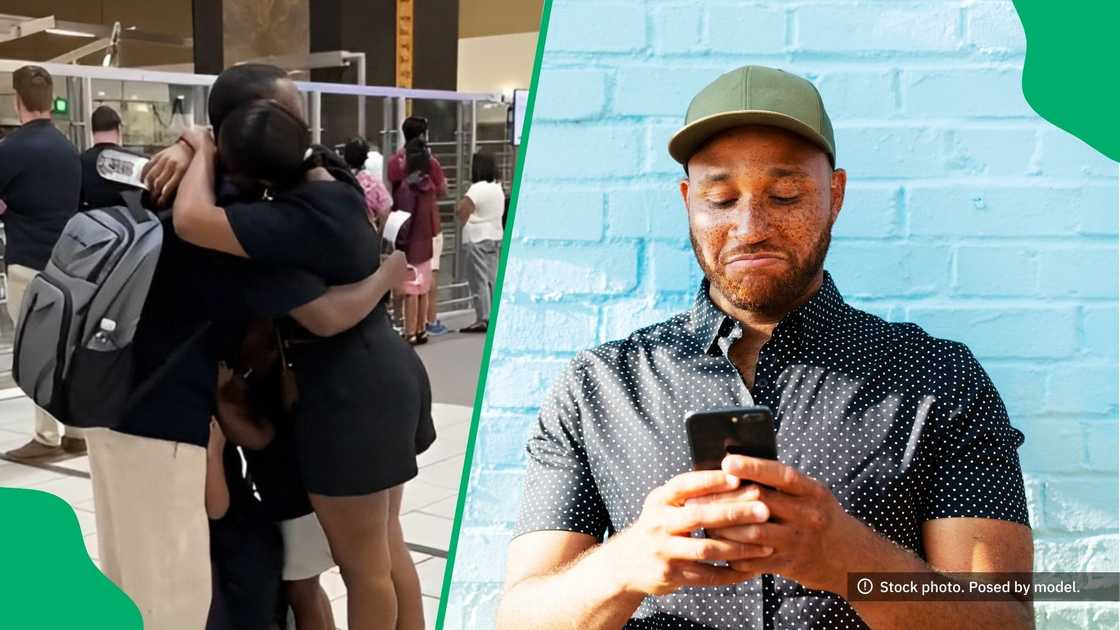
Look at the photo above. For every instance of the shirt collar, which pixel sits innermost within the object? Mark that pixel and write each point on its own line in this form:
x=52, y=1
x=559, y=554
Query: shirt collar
x=709, y=323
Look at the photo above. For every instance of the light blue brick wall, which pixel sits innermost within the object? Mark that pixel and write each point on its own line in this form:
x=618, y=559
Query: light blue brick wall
x=966, y=213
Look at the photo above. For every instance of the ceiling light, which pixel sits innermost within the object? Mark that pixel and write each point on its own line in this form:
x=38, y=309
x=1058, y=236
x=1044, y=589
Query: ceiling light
x=69, y=33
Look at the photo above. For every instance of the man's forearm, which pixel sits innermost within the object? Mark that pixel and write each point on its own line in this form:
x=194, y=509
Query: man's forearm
x=581, y=596
x=883, y=556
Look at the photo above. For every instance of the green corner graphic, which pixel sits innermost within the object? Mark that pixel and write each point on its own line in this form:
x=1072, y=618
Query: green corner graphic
x=1069, y=76
x=47, y=580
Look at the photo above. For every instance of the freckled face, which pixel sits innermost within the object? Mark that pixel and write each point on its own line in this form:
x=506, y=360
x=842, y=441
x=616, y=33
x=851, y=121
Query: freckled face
x=761, y=204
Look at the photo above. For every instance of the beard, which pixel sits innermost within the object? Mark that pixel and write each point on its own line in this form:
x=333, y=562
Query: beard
x=763, y=293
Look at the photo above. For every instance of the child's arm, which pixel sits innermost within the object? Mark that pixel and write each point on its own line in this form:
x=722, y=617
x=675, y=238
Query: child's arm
x=217, y=492
x=234, y=413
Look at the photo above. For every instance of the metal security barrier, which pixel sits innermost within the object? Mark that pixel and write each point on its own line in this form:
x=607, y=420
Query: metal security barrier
x=155, y=107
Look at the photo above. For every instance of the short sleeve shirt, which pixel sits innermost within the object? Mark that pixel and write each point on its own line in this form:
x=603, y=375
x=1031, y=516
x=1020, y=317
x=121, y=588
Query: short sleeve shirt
x=485, y=223
x=902, y=427
x=98, y=192
x=319, y=227
x=192, y=288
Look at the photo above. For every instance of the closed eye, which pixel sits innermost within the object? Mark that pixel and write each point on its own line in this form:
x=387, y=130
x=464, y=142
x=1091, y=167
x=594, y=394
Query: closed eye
x=785, y=201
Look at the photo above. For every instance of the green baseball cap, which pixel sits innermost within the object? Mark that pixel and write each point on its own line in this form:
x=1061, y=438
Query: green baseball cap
x=754, y=95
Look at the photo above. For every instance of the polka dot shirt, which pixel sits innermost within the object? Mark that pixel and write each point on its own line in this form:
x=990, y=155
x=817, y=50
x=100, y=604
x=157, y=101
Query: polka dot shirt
x=902, y=427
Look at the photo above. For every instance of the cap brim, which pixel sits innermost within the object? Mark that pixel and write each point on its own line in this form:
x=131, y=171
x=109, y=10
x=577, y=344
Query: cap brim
x=691, y=137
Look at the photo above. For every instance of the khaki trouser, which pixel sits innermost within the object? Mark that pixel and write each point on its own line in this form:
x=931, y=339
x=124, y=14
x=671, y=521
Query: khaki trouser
x=153, y=536
x=46, y=427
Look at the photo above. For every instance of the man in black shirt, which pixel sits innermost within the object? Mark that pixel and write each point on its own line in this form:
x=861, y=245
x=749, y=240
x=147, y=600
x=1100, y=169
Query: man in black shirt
x=895, y=451
x=40, y=182
x=152, y=537
x=98, y=192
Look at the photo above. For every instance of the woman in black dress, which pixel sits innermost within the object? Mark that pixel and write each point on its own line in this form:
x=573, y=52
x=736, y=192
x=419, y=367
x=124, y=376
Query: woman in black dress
x=364, y=403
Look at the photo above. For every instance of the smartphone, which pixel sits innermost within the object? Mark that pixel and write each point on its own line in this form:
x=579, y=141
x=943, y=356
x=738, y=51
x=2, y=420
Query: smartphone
x=738, y=431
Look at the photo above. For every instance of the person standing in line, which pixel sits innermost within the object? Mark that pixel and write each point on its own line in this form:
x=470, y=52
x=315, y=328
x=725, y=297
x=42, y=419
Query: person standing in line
x=40, y=183
x=377, y=198
x=432, y=325
x=480, y=211
x=98, y=192
x=419, y=185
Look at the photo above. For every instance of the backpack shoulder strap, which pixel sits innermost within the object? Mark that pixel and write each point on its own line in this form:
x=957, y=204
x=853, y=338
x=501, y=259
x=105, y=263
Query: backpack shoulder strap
x=132, y=201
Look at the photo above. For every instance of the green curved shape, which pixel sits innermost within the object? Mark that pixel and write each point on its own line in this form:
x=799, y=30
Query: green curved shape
x=1069, y=76
x=47, y=580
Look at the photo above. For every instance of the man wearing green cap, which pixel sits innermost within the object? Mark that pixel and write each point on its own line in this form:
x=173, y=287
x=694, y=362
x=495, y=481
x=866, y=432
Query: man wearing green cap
x=896, y=453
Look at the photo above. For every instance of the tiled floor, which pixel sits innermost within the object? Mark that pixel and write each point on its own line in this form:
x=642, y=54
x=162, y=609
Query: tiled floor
x=428, y=506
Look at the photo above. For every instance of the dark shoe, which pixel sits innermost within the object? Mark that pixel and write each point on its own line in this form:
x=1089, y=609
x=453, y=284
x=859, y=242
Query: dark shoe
x=73, y=445
x=477, y=327
x=35, y=452
x=421, y=338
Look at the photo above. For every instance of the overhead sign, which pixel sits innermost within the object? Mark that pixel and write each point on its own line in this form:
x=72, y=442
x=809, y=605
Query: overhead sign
x=405, y=26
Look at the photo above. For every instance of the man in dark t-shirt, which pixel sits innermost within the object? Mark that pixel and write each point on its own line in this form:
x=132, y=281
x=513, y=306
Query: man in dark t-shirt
x=153, y=537
x=40, y=181
x=98, y=192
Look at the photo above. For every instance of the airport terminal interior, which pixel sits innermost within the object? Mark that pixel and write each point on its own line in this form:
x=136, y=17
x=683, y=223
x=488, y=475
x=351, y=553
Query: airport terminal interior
x=363, y=66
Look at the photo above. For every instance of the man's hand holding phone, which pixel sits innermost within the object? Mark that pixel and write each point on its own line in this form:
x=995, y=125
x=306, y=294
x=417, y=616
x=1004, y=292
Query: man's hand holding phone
x=814, y=541
x=657, y=555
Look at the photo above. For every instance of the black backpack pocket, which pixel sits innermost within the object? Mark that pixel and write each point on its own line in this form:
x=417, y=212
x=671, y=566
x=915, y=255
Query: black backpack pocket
x=100, y=384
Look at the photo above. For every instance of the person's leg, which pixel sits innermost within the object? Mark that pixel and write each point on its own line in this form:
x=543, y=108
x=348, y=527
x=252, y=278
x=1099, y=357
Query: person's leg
x=421, y=313
x=307, y=555
x=101, y=472
x=411, y=314
x=431, y=310
x=46, y=427
x=357, y=529
x=410, y=606
x=431, y=323
x=398, y=308
x=310, y=605
x=489, y=268
x=154, y=538
x=476, y=277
